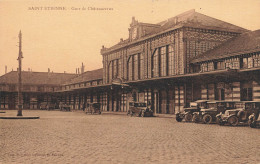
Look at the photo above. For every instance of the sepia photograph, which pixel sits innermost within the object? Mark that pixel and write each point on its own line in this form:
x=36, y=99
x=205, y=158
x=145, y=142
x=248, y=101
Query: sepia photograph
x=129, y=82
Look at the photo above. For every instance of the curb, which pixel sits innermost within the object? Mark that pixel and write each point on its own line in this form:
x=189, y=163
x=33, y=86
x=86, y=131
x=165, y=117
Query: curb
x=20, y=117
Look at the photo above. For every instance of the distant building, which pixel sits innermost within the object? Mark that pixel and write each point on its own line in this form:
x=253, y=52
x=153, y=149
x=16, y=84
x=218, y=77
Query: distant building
x=185, y=58
x=37, y=87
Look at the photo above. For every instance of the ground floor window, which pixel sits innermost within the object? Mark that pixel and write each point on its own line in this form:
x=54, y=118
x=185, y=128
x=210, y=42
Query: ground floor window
x=220, y=91
x=246, y=94
x=246, y=91
x=123, y=101
x=103, y=101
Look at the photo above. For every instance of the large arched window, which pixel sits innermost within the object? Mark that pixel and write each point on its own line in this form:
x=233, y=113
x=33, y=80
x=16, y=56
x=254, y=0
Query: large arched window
x=171, y=60
x=135, y=67
x=141, y=71
x=114, y=69
x=155, y=64
x=163, y=61
x=119, y=66
x=130, y=69
x=110, y=69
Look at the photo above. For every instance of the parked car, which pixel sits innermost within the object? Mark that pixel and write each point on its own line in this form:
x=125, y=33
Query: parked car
x=241, y=113
x=43, y=105
x=188, y=112
x=93, y=108
x=139, y=109
x=64, y=107
x=208, y=115
x=51, y=106
x=252, y=120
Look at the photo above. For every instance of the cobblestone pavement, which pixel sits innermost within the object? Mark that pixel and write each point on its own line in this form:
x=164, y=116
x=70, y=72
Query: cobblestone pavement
x=74, y=137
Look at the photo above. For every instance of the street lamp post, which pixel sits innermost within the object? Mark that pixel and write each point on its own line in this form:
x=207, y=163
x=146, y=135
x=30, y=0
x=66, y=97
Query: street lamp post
x=20, y=56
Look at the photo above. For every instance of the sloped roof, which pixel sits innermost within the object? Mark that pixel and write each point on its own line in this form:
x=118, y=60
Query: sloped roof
x=197, y=20
x=189, y=18
x=245, y=43
x=86, y=76
x=36, y=78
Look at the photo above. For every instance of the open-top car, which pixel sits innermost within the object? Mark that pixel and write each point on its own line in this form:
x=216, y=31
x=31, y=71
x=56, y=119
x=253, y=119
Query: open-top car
x=241, y=113
x=208, y=115
x=139, y=109
x=188, y=112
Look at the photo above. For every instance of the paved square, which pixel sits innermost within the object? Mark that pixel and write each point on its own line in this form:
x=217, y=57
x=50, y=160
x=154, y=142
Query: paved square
x=74, y=137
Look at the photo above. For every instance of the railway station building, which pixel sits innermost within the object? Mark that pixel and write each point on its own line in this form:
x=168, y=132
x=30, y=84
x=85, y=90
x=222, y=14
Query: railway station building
x=168, y=65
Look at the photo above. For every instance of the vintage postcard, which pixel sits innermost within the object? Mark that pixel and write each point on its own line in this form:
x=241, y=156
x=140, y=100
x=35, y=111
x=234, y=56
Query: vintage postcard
x=110, y=81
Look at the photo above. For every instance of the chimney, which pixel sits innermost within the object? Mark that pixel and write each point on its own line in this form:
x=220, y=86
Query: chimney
x=49, y=71
x=76, y=71
x=28, y=69
x=82, y=68
x=5, y=69
x=121, y=40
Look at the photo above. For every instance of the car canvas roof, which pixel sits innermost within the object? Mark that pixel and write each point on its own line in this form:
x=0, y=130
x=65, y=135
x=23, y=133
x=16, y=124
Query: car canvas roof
x=223, y=101
x=250, y=101
x=202, y=101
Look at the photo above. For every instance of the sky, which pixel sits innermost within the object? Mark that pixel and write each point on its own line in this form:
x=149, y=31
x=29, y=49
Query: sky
x=62, y=39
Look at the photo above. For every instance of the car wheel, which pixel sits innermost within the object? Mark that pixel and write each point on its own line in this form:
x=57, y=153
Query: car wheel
x=207, y=119
x=188, y=117
x=221, y=123
x=178, y=118
x=252, y=123
x=196, y=118
x=233, y=120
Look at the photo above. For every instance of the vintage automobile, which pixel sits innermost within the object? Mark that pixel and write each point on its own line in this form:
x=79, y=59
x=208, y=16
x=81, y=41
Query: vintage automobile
x=139, y=109
x=208, y=115
x=93, y=108
x=43, y=105
x=64, y=107
x=252, y=120
x=241, y=113
x=51, y=106
x=188, y=112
